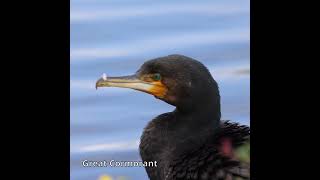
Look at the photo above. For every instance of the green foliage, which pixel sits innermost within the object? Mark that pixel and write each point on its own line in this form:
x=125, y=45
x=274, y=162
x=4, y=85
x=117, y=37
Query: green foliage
x=243, y=152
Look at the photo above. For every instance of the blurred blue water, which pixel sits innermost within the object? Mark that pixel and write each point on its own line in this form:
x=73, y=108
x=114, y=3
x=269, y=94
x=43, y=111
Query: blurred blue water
x=116, y=37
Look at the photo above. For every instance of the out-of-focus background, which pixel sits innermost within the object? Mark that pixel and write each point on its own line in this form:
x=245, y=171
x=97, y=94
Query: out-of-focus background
x=116, y=37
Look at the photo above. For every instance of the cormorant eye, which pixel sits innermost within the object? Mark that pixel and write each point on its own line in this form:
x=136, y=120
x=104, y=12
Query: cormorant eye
x=156, y=77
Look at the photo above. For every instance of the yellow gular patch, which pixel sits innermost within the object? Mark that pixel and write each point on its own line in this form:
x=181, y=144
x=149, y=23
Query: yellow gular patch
x=158, y=89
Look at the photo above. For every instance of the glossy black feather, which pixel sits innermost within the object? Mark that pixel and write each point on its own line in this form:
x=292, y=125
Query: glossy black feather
x=204, y=162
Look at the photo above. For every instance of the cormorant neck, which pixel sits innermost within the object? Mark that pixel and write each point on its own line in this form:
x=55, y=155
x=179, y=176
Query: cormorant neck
x=201, y=101
x=200, y=115
x=204, y=107
x=194, y=128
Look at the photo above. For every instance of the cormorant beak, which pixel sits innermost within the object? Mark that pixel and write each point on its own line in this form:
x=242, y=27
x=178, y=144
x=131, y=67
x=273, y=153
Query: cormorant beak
x=155, y=88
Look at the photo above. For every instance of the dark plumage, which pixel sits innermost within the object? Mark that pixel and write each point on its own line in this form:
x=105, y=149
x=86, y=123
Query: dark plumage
x=191, y=142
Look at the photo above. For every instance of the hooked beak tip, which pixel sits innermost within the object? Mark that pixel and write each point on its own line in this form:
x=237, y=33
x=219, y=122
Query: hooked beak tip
x=98, y=83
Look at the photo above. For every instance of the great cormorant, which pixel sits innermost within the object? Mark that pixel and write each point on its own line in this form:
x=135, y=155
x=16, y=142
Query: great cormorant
x=191, y=142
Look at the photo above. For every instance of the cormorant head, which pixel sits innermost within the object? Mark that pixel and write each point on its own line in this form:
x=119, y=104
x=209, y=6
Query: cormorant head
x=178, y=80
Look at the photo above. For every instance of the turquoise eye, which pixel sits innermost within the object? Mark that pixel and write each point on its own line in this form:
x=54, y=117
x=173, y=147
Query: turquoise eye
x=156, y=77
